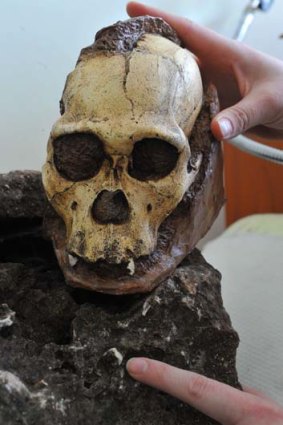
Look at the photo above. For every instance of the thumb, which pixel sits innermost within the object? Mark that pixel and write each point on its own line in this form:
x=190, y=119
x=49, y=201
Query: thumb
x=239, y=118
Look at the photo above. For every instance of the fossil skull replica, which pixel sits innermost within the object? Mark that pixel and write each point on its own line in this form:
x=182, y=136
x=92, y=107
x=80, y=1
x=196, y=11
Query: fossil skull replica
x=133, y=173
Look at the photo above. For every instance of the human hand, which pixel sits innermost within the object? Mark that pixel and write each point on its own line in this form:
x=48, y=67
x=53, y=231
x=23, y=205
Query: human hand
x=249, y=83
x=221, y=402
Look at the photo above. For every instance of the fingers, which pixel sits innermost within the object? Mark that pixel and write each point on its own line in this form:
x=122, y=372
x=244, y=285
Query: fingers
x=203, y=42
x=216, y=55
x=247, y=81
x=238, y=119
x=219, y=401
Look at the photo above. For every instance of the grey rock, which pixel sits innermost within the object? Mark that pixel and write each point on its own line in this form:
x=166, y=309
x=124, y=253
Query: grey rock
x=62, y=360
x=6, y=316
x=21, y=195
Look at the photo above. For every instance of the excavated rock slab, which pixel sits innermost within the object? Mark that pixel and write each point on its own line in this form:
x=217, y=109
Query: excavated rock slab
x=21, y=195
x=63, y=350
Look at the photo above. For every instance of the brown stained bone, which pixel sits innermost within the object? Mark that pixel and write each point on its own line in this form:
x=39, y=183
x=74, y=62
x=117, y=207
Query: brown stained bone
x=123, y=36
x=202, y=141
x=177, y=235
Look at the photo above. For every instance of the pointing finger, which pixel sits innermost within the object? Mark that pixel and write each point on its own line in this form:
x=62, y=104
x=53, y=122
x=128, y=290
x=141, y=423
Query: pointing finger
x=219, y=401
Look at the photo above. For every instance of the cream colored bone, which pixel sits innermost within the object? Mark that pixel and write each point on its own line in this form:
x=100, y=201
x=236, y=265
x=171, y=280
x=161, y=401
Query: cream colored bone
x=153, y=91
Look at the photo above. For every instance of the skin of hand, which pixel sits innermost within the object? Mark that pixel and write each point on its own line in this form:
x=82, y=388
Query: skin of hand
x=221, y=402
x=249, y=83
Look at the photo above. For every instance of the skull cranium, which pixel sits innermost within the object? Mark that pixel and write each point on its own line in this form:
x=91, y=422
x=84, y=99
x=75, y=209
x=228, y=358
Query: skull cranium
x=117, y=163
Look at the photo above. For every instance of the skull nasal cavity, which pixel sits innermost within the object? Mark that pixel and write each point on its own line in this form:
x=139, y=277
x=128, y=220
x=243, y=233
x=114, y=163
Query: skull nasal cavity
x=111, y=207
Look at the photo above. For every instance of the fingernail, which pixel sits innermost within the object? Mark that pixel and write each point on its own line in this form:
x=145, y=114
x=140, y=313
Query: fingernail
x=136, y=366
x=225, y=127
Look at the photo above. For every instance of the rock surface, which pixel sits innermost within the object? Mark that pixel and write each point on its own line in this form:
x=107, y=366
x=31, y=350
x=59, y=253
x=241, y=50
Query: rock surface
x=63, y=350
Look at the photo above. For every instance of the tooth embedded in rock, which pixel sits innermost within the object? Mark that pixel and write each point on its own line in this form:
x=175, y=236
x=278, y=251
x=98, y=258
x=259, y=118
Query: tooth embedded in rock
x=131, y=267
x=72, y=260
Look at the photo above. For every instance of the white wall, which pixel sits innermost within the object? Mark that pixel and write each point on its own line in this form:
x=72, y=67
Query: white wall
x=40, y=41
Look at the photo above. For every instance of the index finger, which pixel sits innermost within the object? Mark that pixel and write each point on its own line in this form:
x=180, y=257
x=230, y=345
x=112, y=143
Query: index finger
x=200, y=40
x=221, y=402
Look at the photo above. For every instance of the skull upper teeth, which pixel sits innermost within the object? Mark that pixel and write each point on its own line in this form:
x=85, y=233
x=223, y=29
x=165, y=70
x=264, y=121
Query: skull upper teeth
x=72, y=260
x=131, y=267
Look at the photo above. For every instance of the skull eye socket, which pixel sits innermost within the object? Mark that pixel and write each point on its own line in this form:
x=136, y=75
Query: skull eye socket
x=78, y=156
x=152, y=159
